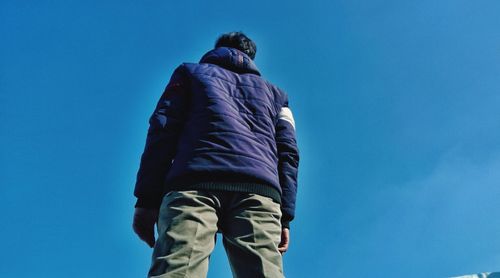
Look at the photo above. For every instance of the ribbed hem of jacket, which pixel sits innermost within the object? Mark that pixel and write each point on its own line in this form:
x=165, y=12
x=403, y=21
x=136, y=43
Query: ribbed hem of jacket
x=257, y=188
x=247, y=187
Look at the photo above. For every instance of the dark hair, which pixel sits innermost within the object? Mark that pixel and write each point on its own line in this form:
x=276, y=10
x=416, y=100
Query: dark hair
x=239, y=41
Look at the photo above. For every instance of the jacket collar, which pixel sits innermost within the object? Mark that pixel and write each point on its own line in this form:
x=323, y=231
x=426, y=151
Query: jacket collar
x=231, y=59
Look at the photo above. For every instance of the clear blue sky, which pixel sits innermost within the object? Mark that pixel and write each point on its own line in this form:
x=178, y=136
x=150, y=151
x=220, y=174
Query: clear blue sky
x=397, y=105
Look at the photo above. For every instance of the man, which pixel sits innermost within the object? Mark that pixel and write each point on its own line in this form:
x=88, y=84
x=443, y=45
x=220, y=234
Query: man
x=220, y=156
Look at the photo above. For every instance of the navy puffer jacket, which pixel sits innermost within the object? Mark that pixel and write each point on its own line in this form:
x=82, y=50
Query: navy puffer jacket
x=219, y=125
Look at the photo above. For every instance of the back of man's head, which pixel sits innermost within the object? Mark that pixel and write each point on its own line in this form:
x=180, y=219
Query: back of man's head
x=239, y=41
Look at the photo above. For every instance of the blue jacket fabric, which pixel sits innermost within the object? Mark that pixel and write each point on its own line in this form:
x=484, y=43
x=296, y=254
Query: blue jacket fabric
x=219, y=125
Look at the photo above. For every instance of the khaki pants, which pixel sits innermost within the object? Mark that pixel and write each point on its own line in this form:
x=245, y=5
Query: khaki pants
x=189, y=221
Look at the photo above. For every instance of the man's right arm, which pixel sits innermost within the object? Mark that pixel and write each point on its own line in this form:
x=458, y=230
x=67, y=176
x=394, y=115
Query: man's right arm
x=288, y=162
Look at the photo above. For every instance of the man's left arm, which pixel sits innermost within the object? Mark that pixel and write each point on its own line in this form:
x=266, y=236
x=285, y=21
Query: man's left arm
x=165, y=125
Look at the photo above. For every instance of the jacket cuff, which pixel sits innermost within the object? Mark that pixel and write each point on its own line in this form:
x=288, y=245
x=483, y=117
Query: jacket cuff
x=148, y=202
x=285, y=224
x=285, y=220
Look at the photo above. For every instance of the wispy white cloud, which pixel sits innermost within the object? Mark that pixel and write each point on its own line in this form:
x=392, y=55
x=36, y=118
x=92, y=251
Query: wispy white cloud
x=445, y=224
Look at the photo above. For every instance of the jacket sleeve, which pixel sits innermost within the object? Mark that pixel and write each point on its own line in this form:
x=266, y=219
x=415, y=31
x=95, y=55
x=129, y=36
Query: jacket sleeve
x=288, y=162
x=165, y=125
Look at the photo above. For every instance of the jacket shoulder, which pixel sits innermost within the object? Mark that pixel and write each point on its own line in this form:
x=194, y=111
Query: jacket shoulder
x=280, y=96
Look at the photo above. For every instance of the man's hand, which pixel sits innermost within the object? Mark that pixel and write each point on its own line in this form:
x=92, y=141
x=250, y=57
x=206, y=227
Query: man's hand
x=144, y=224
x=285, y=240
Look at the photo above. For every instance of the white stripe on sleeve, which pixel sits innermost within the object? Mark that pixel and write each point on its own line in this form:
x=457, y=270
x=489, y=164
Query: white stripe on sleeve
x=286, y=114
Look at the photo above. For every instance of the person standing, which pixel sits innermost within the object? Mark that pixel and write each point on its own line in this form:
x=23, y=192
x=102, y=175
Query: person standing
x=220, y=157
